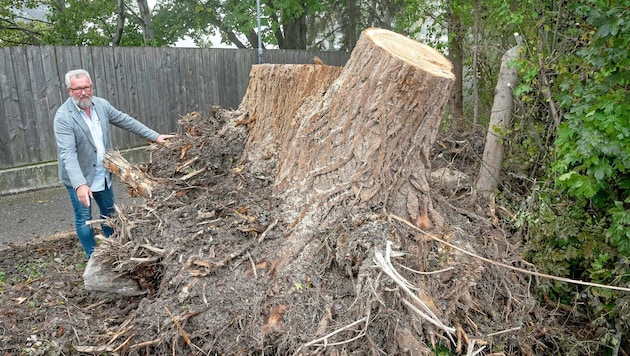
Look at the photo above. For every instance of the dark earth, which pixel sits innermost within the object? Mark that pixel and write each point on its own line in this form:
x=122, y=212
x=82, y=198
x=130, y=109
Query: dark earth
x=205, y=247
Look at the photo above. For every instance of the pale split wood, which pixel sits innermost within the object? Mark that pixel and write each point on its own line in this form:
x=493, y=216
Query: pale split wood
x=276, y=100
x=269, y=228
x=500, y=117
x=470, y=351
x=93, y=349
x=329, y=335
x=123, y=344
x=192, y=174
x=146, y=343
x=120, y=333
x=139, y=183
x=383, y=261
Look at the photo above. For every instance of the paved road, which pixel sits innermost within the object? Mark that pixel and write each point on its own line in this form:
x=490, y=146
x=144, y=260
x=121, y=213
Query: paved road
x=40, y=214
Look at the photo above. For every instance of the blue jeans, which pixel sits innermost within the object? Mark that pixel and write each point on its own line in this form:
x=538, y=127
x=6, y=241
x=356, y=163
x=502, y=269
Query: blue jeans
x=82, y=213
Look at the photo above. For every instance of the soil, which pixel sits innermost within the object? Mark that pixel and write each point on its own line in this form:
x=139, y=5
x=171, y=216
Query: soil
x=205, y=247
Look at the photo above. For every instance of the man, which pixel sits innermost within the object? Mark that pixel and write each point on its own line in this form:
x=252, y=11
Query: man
x=82, y=134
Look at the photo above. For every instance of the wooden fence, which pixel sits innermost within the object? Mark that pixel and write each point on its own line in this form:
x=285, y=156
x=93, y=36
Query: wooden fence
x=155, y=85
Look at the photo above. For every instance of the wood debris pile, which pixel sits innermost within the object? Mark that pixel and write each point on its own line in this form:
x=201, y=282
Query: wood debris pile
x=375, y=284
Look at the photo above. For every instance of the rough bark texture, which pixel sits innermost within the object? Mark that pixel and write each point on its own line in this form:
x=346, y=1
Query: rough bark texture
x=456, y=33
x=367, y=142
x=277, y=98
x=147, y=21
x=360, y=142
x=490, y=170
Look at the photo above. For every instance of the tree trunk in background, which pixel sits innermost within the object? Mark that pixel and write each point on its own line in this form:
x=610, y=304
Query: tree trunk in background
x=456, y=55
x=349, y=26
x=295, y=33
x=147, y=22
x=488, y=178
x=120, y=23
x=364, y=141
x=475, y=68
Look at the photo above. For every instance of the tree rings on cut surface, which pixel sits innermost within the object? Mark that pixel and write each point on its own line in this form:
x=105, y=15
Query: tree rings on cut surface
x=411, y=51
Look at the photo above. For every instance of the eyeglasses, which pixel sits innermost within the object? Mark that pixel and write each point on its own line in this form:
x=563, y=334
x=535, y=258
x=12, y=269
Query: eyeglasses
x=81, y=89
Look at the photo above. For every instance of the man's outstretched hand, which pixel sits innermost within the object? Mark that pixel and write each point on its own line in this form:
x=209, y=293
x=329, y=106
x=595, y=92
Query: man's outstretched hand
x=163, y=138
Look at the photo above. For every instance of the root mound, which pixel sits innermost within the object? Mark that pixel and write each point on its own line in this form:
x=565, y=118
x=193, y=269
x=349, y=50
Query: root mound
x=206, y=246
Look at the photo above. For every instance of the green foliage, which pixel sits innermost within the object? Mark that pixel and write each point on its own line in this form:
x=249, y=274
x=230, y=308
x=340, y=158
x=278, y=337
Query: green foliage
x=441, y=350
x=593, y=143
x=77, y=22
x=31, y=270
x=578, y=225
x=563, y=242
x=82, y=23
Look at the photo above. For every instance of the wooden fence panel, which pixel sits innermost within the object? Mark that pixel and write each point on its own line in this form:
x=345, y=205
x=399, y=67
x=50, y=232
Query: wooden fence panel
x=155, y=85
x=27, y=107
x=53, y=96
x=12, y=108
x=42, y=141
x=6, y=142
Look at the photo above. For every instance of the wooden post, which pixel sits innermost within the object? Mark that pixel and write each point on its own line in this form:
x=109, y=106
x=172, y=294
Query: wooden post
x=490, y=170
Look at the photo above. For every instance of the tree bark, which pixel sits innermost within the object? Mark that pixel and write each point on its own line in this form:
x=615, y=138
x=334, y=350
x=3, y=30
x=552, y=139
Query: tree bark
x=488, y=178
x=366, y=141
x=277, y=98
x=349, y=24
x=120, y=24
x=147, y=22
x=295, y=33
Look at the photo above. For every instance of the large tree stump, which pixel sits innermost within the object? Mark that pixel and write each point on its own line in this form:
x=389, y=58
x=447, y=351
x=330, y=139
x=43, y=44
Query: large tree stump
x=367, y=139
x=308, y=269
x=277, y=98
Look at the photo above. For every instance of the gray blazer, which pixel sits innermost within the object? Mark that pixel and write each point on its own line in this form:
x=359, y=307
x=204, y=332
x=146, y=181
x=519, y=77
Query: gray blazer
x=76, y=151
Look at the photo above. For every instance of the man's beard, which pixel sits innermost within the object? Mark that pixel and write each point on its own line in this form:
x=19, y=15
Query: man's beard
x=83, y=103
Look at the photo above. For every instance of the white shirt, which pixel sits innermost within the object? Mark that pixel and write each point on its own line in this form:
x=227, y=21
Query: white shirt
x=94, y=124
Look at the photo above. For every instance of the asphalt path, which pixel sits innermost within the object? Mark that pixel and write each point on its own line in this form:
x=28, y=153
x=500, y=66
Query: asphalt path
x=42, y=214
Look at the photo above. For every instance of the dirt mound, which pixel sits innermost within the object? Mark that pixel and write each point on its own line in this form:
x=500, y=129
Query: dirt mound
x=206, y=247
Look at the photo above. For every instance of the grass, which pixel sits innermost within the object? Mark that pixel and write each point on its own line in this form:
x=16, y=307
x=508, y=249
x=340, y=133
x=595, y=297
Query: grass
x=32, y=270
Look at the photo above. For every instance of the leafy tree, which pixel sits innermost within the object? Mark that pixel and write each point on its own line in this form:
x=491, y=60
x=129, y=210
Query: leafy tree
x=21, y=22
x=287, y=24
x=474, y=34
x=236, y=21
x=593, y=144
x=78, y=22
x=576, y=76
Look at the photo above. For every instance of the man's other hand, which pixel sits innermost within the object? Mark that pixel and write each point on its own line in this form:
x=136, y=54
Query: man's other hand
x=84, y=193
